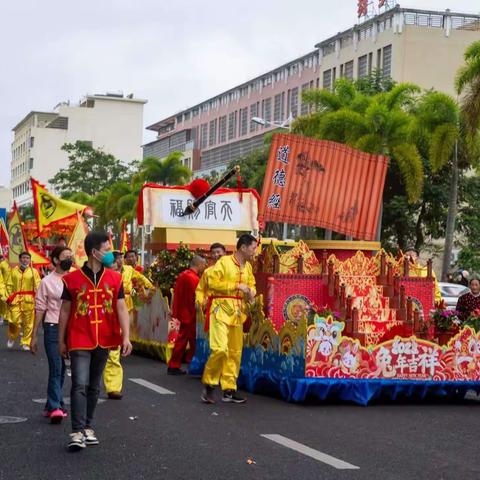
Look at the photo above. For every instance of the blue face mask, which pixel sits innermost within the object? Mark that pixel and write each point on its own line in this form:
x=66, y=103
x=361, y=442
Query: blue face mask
x=108, y=259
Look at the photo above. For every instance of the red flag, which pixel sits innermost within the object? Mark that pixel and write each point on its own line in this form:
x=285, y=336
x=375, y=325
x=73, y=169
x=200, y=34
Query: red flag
x=362, y=9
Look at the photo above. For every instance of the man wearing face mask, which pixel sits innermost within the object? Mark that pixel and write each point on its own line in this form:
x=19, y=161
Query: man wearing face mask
x=93, y=320
x=47, y=311
x=22, y=285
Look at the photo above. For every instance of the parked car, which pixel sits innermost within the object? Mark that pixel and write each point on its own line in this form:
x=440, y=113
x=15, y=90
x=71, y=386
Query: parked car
x=451, y=292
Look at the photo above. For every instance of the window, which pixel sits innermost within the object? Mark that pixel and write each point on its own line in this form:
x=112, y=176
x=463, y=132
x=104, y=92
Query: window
x=362, y=68
x=179, y=118
x=186, y=116
x=187, y=162
x=212, y=139
x=379, y=59
x=32, y=140
x=222, y=127
x=305, y=107
x=203, y=135
x=294, y=102
x=370, y=62
x=267, y=112
x=195, y=112
x=349, y=70
x=253, y=113
x=232, y=125
x=327, y=79
x=277, y=108
x=30, y=166
x=387, y=61
x=244, y=121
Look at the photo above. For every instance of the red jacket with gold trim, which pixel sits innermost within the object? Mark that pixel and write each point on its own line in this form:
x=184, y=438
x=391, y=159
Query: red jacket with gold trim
x=93, y=316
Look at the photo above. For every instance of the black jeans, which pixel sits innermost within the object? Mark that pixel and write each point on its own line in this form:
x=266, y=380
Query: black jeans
x=87, y=368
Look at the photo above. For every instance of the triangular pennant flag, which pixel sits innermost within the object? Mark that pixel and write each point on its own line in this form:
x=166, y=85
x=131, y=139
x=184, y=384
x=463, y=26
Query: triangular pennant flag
x=50, y=209
x=38, y=259
x=124, y=238
x=17, y=240
x=77, y=242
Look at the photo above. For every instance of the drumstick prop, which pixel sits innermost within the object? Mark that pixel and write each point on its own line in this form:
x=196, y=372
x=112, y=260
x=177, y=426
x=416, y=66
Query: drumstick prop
x=193, y=206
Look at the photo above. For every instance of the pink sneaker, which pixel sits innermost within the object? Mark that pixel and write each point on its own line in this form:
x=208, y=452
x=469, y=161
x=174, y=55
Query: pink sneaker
x=56, y=416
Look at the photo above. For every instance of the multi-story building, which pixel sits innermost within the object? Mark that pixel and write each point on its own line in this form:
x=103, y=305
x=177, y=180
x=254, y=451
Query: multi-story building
x=111, y=122
x=424, y=47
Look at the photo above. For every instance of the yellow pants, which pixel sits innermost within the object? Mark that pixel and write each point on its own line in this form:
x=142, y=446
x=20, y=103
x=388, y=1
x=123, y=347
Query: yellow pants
x=4, y=311
x=21, y=318
x=223, y=365
x=113, y=373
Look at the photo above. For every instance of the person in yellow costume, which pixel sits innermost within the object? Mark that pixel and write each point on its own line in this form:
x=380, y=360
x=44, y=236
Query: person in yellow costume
x=4, y=274
x=22, y=285
x=231, y=286
x=418, y=270
x=217, y=251
x=113, y=373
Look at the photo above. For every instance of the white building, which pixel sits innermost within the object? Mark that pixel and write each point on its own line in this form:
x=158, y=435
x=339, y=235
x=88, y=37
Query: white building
x=110, y=122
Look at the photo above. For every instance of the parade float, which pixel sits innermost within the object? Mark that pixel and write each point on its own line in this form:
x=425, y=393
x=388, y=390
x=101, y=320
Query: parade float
x=343, y=323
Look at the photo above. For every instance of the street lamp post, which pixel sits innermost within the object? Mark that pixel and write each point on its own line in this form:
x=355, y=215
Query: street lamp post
x=287, y=125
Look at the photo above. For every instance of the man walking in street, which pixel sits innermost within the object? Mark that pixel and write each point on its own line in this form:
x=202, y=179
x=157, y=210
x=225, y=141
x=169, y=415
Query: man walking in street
x=183, y=309
x=22, y=285
x=231, y=287
x=93, y=319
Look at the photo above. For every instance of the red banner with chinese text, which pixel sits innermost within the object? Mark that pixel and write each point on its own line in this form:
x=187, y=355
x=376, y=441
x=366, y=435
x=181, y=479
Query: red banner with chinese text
x=323, y=184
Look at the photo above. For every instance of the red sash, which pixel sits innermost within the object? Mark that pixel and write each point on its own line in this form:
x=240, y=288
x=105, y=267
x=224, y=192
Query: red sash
x=209, y=307
x=12, y=297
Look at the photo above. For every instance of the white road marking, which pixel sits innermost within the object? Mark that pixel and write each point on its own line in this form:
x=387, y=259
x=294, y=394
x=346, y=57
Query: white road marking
x=152, y=386
x=310, y=452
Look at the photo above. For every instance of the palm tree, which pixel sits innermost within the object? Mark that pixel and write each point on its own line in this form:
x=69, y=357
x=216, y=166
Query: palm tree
x=379, y=124
x=169, y=171
x=467, y=83
x=438, y=120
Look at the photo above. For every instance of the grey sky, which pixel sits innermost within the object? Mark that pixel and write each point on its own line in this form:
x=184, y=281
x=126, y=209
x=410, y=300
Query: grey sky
x=174, y=53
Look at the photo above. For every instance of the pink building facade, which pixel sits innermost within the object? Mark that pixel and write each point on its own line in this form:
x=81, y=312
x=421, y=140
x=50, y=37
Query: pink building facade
x=219, y=130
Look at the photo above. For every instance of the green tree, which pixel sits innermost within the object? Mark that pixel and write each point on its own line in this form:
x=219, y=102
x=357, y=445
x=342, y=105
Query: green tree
x=467, y=83
x=169, y=171
x=89, y=170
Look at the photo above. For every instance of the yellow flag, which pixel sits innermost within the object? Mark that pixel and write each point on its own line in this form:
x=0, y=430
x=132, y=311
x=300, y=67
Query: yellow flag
x=77, y=241
x=50, y=209
x=17, y=242
x=38, y=259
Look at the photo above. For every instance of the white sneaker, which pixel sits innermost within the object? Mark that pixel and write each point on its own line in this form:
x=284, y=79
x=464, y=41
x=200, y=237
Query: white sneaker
x=76, y=442
x=90, y=438
x=10, y=343
x=25, y=348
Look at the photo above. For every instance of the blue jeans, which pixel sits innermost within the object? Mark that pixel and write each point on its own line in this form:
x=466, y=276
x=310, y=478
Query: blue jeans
x=56, y=367
x=87, y=368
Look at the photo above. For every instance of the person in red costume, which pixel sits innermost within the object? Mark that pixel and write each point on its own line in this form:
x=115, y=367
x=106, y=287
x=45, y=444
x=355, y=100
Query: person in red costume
x=93, y=319
x=184, y=310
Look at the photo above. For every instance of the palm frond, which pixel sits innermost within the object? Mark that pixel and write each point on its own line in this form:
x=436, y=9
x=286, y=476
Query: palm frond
x=470, y=106
x=343, y=126
x=437, y=108
x=322, y=100
x=442, y=144
x=307, y=125
x=411, y=168
x=467, y=74
x=370, y=143
x=472, y=51
x=401, y=95
x=345, y=91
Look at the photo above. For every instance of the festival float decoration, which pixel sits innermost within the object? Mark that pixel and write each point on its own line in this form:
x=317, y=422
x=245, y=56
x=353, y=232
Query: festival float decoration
x=354, y=327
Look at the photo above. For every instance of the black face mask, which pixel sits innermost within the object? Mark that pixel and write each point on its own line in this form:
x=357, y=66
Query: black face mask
x=66, y=265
